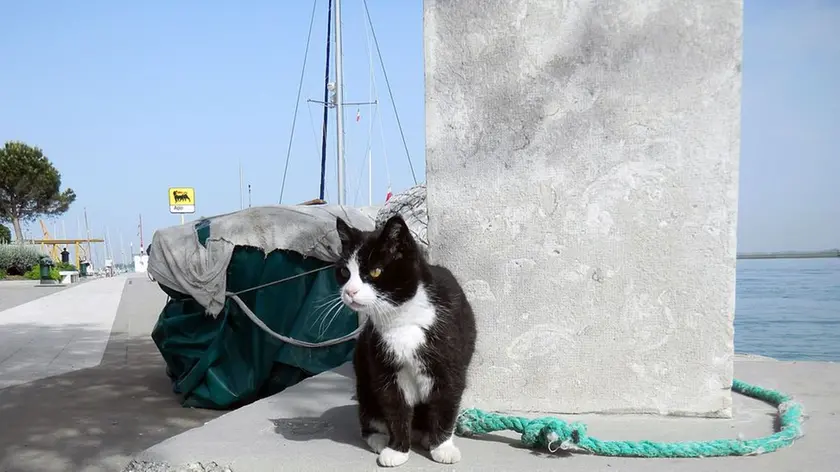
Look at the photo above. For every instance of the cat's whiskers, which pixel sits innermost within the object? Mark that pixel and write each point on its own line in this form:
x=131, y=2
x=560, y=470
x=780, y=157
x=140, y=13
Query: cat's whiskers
x=324, y=302
x=384, y=311
x=375, y=310
x=338, y=312
x=332, y=313
x=319, y=311
x=324, y=311
x=329, y=300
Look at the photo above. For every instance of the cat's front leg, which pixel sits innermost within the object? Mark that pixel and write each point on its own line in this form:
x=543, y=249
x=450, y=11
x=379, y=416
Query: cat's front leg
x=375, y=434
x=443, y=412
x=374, y=429
x=398, y=421
x=420, y=425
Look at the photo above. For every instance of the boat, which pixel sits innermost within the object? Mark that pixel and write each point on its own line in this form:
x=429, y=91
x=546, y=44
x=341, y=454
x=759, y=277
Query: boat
x=253, y=305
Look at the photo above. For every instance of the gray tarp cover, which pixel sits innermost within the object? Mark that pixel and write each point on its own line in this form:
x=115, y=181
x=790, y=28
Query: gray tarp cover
x=178, y=261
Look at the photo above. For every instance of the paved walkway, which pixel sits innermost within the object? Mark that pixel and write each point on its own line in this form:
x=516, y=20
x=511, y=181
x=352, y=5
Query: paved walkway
x=58, y=333
x=18, y=292
x=92, y=404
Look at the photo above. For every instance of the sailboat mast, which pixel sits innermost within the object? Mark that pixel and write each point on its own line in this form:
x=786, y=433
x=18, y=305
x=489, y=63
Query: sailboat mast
x=370, y=121
x=140, y=231
x=326, y=102
x=122, y=251
x=339, y=105
x=107, y=244
x=90, y=257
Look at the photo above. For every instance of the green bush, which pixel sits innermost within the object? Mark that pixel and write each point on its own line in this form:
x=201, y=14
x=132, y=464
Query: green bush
x=2, y=274
x=35, y=273
x=32, y=274
x=5, y=234
x=67, y=266
x=18, y=259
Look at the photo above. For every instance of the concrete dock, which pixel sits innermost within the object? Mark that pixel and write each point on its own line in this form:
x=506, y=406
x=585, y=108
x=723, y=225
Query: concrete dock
x=91, y=408
x=82, y=386
x=312, y=426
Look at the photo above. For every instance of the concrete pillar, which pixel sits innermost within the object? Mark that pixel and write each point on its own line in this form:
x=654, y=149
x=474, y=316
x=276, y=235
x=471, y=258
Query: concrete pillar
x=582, y=174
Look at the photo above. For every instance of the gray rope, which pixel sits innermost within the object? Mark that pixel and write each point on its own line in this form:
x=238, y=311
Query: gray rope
x=275, y=282
x=295, y=342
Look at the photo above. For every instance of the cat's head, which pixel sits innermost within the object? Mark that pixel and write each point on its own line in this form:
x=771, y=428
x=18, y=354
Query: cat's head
x=378, y=270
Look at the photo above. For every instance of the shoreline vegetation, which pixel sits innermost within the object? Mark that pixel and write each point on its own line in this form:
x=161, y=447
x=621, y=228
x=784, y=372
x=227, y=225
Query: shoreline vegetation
x=790, y=254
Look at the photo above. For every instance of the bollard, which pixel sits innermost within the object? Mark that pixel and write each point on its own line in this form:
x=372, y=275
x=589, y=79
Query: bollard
x=45, y=265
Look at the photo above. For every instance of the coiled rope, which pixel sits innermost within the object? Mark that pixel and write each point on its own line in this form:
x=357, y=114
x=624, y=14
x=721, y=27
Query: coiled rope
x=553, y=434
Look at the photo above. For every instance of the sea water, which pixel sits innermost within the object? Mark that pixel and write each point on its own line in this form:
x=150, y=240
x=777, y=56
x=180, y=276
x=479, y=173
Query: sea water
x=788, y=309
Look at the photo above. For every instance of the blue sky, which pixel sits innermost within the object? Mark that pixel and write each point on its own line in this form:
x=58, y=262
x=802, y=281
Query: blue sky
x=129, y=99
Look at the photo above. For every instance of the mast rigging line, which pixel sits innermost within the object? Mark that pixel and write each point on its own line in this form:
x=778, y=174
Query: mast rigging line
x=315, y=137
x=390, y=93
x=297, y=101
x=367, y=150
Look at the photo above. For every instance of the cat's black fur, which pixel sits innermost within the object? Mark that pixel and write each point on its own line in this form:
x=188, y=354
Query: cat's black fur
x=450, y=340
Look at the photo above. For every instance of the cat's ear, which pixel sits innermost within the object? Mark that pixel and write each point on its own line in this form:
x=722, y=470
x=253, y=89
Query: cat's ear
x=345, y=232
x=396, y=237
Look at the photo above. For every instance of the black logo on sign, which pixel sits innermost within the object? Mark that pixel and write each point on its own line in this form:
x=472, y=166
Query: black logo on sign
x=181, y=197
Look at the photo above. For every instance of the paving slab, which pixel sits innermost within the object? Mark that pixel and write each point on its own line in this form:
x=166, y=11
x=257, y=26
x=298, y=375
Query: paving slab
x=61, y=332
x=312, y=426
x=18, y=292
x=96, y=419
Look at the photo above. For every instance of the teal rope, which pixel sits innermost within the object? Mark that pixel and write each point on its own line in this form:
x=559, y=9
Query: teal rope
x=553, y=433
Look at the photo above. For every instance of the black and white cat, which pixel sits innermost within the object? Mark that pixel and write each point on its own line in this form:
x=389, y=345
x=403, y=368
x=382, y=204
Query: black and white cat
x=412, y=357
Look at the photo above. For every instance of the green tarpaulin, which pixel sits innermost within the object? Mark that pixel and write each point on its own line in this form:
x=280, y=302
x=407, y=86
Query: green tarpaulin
x=228, y=361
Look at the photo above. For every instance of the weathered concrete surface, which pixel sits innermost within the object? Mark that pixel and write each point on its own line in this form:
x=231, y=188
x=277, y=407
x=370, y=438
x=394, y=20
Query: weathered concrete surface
x=159, y=467
x=582, y=170
x=313, y=426
x=95, y=419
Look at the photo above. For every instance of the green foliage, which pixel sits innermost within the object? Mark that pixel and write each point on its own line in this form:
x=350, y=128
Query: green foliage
x=5, y=235
x=68, y=266
x=2, y=274
x=35, y=273
x=17, y=259
x=30, y=186
x=32, y=274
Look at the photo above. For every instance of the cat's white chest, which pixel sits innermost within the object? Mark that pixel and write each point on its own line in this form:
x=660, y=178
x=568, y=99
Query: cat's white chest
x=414, y=384
x=403, y=343
x=403, y=336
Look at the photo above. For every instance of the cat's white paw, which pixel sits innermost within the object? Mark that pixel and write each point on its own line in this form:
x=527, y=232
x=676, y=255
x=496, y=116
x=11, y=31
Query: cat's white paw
x=392, y=458
x=446, y=452
x=421, y=437
x=377, y=442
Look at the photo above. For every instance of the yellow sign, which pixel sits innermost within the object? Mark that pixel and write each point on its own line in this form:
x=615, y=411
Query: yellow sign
x=181, y=200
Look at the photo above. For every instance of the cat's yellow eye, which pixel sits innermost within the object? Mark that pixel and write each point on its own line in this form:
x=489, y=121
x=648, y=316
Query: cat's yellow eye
x=374, y=273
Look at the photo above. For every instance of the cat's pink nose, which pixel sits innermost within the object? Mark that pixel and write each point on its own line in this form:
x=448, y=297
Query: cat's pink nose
x=352, y=291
